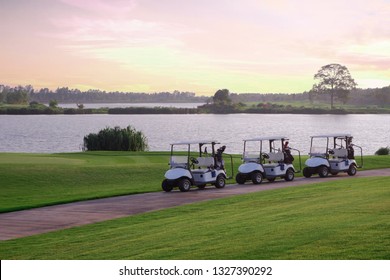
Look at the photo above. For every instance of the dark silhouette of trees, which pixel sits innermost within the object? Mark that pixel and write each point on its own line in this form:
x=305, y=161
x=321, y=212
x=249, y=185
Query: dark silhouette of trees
x=3, y=94
x=383, y=95
x=222, y=101
x=16, y=95
x=53, y=103
x=67, y=95
x=221, y=97
x=335, y=80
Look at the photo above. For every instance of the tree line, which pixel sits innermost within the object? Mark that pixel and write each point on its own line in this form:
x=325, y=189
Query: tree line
x=357, y=97
x=26, y=94
x=334, y=84
x=15, y=95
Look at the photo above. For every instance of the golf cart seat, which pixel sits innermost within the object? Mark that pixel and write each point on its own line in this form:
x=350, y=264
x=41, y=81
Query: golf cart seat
x=205, y=162
x=276, y=157
x=340, y=153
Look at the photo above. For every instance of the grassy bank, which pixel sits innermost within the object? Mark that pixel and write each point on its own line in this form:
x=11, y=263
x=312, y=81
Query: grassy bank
x=238, y=108
x=346, y=219
x=35, y=180
x=41, y=109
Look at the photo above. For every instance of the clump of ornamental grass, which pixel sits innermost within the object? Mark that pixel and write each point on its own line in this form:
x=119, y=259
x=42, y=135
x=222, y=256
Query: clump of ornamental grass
x=116, y=139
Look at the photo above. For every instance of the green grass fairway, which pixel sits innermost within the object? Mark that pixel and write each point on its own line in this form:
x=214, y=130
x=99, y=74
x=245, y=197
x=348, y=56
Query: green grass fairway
x=346, y=219
x=35, y=180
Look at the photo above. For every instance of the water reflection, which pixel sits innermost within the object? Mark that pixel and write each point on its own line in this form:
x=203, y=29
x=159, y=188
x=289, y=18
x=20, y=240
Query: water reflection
x=64, y=133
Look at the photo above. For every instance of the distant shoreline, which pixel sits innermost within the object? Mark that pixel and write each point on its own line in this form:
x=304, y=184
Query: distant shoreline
x=205, y=109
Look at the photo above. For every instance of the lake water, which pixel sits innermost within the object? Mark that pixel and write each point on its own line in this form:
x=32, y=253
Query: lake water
x=64, y=133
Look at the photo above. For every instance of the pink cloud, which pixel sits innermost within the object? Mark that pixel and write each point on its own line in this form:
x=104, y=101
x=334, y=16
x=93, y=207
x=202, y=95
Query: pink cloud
x=103, y=6
x=367, y=62
x=247, y=38
x=118, y=32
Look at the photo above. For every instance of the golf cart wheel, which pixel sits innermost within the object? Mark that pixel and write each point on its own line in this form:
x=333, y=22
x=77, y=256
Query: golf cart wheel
x=240, y=178
x=220, y=182
x=184, y=185
x=323, y=171
x=334, y=173
x=289, y=175
x=166, y=186
x=352, y=170
x=257, y=177
x=201, y=187
x=306, y=172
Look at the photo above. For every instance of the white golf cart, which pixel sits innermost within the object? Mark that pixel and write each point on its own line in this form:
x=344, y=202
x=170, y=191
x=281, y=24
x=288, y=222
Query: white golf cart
x=189, y=168
x=332, y=153
x=266, y=162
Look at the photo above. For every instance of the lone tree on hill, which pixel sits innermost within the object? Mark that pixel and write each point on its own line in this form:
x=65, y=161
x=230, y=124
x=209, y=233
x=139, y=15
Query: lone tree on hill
x=335, y=80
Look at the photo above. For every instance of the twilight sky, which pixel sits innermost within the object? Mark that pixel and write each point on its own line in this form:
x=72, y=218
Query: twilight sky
x=193, y=45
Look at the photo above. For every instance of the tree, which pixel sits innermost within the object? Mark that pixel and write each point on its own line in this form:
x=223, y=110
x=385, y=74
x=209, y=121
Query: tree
x=3, y=93
x=311, y=94
x=53, y=103
x=383, y=95
x=18, y=95
x=335, y=80
x=221, y=97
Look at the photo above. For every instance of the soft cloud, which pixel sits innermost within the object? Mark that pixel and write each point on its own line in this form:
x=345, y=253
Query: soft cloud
x=117, y=32
x=373, y=56
x=248, y=45
x=103, y=7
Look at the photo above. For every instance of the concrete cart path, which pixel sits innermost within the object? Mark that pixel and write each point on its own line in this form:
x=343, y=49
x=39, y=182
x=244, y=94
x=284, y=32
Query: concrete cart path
x=40, y=220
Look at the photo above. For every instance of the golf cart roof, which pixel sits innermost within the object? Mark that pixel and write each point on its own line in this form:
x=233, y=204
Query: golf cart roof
x=267, y=138
x=332, y=135
x=196, y=142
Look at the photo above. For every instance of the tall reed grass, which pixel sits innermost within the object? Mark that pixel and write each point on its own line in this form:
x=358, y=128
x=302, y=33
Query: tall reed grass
x=116, y=139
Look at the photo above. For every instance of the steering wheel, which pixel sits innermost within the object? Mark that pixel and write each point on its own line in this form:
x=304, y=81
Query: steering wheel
x=194, y=160
x=264, y=158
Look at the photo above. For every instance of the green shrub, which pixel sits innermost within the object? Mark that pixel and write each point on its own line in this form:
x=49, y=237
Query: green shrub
x=383, y=151
x=116, y=139
x=53, y=104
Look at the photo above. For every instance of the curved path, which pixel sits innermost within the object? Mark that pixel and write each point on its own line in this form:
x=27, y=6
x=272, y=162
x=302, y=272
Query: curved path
x=40, y=220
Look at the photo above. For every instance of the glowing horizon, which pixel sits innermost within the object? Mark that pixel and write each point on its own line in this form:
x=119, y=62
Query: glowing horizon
x=198, y=46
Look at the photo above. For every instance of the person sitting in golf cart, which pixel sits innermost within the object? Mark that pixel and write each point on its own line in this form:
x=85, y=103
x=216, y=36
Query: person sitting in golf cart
x=288, y=157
